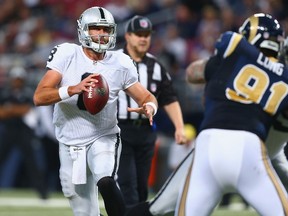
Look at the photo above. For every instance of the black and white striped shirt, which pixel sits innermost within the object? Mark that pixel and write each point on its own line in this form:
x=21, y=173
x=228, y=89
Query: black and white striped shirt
x=153, y=76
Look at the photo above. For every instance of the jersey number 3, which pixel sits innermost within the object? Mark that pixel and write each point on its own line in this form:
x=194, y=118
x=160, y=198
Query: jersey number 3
x=252, y=85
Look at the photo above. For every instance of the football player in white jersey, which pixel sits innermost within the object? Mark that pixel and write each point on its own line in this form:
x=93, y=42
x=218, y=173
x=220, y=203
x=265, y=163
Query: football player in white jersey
x=89, y=145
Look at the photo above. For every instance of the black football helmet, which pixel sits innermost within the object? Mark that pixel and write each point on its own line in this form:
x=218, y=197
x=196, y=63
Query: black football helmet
x=263, y=31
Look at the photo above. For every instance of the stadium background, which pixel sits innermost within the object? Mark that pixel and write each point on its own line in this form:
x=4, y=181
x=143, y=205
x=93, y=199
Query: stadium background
x=185, y=30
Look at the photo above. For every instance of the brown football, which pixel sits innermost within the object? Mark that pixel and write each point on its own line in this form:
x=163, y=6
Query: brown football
x=97, y=97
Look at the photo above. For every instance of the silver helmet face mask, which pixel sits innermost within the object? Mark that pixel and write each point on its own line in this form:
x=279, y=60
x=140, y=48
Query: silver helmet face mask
x=97, y=16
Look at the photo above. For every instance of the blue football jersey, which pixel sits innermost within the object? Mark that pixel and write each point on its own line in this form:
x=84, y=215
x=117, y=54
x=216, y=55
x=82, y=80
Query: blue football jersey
x=245, y=89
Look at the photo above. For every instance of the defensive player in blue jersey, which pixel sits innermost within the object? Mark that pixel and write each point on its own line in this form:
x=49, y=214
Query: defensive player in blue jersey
x=241, y=98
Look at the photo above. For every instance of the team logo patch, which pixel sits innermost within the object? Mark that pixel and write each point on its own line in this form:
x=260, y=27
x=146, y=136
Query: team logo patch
x=101, y=91
x=266, y=35
x=143, y=23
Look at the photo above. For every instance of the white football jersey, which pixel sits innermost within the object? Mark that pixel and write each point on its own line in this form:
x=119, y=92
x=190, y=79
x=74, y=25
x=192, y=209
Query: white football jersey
x=73, y=124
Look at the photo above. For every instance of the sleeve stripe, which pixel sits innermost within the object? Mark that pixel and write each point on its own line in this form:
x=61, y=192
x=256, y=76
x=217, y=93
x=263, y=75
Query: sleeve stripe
x=232, y=44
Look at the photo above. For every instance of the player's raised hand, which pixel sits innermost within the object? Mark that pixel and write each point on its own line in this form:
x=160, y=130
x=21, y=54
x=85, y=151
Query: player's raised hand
x=146, y=109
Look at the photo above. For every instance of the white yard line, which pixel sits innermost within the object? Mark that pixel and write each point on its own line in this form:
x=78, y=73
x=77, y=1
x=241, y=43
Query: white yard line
x=35, y=202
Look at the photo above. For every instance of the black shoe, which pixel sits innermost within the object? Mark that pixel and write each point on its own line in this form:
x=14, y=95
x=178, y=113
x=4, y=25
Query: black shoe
x=140, y=209
x=43, y=195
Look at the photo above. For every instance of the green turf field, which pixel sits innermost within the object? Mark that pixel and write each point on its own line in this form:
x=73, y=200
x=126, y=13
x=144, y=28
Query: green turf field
x=26, y=203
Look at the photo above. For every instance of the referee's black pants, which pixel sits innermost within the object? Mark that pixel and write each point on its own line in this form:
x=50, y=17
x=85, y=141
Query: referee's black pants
x=138, y=142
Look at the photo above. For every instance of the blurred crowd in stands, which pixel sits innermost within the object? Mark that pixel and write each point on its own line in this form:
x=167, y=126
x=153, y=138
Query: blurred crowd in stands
x=185, y=30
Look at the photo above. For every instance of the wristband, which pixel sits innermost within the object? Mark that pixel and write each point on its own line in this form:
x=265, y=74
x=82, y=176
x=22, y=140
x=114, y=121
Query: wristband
x=63, y=92
x=154, y=107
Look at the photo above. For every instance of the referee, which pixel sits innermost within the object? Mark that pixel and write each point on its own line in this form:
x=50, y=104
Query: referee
x=138, y=137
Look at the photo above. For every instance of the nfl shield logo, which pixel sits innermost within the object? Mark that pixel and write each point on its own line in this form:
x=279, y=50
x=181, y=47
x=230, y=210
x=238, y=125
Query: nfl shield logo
x=153, y=87
x=144, y=23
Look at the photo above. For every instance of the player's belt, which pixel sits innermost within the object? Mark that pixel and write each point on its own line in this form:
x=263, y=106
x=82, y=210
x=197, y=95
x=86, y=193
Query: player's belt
x=134, y=122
